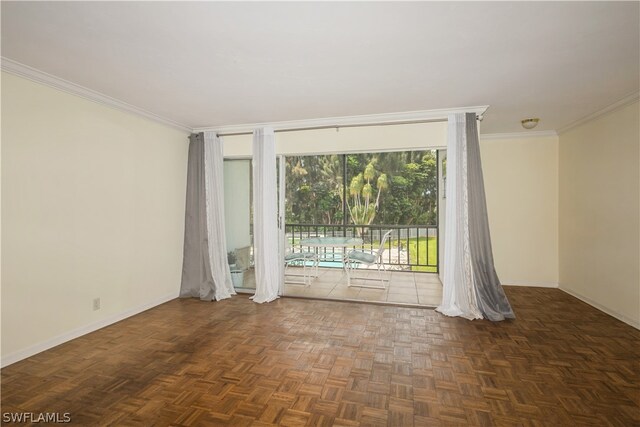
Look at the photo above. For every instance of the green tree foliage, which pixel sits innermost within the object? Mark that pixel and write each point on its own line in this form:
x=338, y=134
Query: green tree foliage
x=313, y=190
x=382, y=188
x=413, y=195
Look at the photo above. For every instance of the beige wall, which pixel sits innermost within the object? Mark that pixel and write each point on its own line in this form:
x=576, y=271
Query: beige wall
x=599, y=213
x=92, y=206
x=521, y=184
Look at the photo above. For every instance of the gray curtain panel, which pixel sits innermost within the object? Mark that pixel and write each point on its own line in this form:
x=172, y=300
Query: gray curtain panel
x=492, y=301
x=197, y=280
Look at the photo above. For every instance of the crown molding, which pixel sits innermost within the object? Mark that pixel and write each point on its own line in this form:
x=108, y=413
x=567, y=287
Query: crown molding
x=519, y=135
x=33, y=74
x=629, y=99
x=369, y=119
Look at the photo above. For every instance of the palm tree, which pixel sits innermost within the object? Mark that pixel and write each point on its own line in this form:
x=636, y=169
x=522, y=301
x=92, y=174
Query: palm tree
x=364, y=207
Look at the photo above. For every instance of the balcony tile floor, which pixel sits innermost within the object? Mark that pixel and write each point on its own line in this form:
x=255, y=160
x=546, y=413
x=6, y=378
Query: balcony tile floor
x=404, y=287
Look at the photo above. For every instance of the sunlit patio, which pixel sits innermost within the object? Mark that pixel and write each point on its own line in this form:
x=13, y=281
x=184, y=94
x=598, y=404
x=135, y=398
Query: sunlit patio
x=403, y=287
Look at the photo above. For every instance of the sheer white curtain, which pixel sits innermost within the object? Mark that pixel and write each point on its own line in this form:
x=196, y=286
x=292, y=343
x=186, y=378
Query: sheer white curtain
x=458, y=298
x=214, y=184
x=265, y=222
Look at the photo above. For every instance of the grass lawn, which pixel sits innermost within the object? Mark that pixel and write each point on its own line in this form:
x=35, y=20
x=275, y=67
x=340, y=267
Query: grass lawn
x=419, y=248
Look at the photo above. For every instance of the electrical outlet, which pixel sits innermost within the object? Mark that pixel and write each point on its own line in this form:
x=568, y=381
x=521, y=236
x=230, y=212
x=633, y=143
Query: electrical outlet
x=96, y=304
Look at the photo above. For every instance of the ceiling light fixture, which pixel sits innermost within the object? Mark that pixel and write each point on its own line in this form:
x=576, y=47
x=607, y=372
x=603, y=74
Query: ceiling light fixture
x=529, y=123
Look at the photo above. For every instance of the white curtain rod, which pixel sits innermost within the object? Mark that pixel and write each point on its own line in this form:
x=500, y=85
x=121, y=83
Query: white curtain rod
x=406, y=122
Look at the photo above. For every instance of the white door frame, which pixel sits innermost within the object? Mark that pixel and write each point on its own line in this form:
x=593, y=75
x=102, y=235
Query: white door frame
x=281, y=218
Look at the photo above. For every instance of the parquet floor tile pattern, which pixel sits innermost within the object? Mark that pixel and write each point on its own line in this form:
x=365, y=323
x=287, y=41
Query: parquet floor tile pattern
x=297, y=362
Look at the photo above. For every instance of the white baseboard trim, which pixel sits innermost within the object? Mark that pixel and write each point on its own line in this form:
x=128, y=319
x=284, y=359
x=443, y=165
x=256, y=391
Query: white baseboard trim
x=78, y=332
x=602, y=308
x=529, y=284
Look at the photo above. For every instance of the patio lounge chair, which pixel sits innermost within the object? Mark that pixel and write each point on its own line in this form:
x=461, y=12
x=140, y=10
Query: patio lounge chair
x=300, y=259
x=367, y=258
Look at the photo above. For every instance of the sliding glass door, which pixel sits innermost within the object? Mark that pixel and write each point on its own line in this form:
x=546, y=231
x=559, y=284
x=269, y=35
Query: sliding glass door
x=238, y=220
x=364, y=195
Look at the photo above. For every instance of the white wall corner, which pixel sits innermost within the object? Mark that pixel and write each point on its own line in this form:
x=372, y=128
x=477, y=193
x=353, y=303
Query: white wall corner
x=610, y=312
x=78, y=332
x=629, y=99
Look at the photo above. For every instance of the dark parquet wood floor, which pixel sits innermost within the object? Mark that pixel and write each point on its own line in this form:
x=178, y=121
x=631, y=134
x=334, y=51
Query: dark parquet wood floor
x=301, y=362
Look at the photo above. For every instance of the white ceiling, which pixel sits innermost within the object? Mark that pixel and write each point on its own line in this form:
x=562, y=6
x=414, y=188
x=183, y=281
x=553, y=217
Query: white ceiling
x=207, y=64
